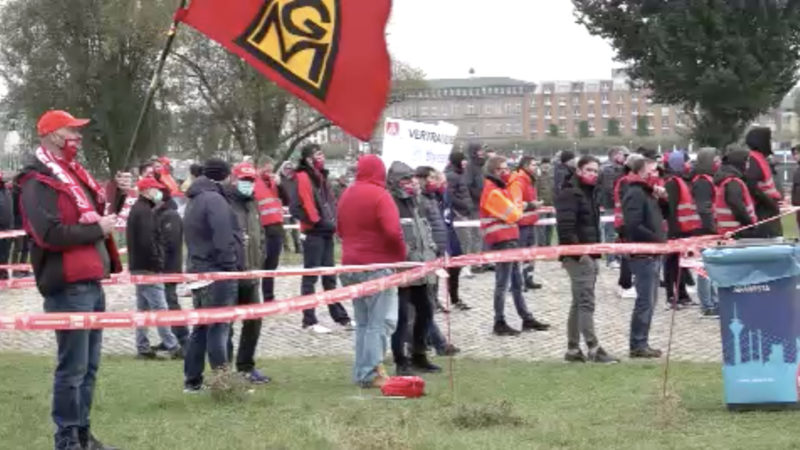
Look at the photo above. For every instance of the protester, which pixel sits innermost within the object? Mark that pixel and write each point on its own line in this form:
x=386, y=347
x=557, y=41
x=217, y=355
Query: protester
x=610, y=173
x=21, y=245
x=578, y=222
x=563, y=170
x=62, y=205
x=286, y=186
x=270, y=200
x=545, y=191
x=682, y=221
x=146, y=257
x=461, y=205
x=371, y=236
x=625, y=280
x=6, y=223
x=522, y=187
x=420, y=247
x=795, y=198
x=240, y=195
x=213, y=242
x=703, y=193
x=733, y=204
x=476, y=154
x=643, y=222
x=170, y=233
x=453, y=243
x=761, y=183
x=195, y=171
x=313, y=205
x=499, y=216
x=341, y=183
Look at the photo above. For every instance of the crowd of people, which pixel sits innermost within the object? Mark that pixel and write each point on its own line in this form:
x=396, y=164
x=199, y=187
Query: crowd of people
x=234, y=221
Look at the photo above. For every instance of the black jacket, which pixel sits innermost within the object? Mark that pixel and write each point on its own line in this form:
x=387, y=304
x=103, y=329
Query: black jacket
x=40, y=203
x=641, y=214
x=577, y=214
x=429, y=206
x=145, y=254
x=6, y=209
x=703, y=194
x=170, y=233
x=560, y=174
x=796, y=186
x=609, y=174
x=474, y=178
x=460, y=198
x=211, y=231
x=734, y=197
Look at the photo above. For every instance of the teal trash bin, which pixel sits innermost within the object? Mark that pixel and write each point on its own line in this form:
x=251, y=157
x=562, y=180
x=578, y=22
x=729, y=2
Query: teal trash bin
x=759, y=323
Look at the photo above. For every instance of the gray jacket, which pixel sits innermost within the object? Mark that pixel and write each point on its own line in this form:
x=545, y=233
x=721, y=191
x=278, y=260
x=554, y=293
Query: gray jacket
x=246, y=211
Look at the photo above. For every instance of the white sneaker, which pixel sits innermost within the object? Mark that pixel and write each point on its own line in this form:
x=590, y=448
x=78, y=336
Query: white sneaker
x=466, y=272
x=319, y=329
x=626, y=293
x=350, y=326
x=691, y=289
x=614, y=265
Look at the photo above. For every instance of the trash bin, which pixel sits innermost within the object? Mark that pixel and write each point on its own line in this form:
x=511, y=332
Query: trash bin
x=759, y=323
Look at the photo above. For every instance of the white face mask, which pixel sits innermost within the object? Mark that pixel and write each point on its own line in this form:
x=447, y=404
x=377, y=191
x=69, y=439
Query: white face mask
x=157, y=196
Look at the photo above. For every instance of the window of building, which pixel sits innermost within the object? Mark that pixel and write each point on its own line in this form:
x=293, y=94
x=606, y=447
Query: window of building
x=471, y=109
x=665, y=121
x=562, y=111
x=517, y=128
x=605, y=110
x=533, y=102
x=487, y=109
x=604, y=97
x=473, y=130
x=508, y=128
x=576, y=111
x=548, y=112
x=423, y=111
x=517, y=108
x=620, y=110
x=634, y=110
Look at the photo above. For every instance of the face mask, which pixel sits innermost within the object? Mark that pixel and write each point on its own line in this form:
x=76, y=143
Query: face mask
x=505, y=176
x=245, y=187
x=319, y=164
x=589, y=179
x=158, y=196
x=687, y=167
x=70, y=149
x=432, y=188
x=715, y=167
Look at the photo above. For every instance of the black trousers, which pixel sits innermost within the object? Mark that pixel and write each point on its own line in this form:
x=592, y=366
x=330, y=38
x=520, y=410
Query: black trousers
x=625, y=280
x=274, y=244
x=251, y=329
x=416, y=297
x=180, y=331
x=673, y=276
x=318, y=252
x=452, y=284
x=5, y=255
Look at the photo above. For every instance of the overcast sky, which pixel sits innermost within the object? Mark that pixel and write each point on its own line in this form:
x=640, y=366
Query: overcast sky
x=532, y=40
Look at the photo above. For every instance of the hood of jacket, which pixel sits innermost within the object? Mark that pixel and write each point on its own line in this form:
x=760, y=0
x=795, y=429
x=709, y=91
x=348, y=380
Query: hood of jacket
x=705, y=161
x=760, y=140
x=472, y=151
x=676, y=163
x=726, y=171
x=203, y=184
x=371, y=170
x=398, y=171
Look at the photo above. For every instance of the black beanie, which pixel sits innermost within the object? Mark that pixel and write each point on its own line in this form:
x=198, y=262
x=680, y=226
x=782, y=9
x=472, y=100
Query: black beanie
x=216, y=169
x=566, y=156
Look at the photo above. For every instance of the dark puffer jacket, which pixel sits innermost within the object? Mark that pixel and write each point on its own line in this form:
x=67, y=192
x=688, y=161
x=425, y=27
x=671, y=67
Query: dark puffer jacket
x=460, y=199
x=760, y=140
x=474, y=175
x=145, y=255
x=170, y=235
x=212, y=233
x=641, y=213
x=577, y=214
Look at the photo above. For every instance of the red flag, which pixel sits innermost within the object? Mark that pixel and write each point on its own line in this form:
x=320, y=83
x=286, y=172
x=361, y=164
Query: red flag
x=330, y=53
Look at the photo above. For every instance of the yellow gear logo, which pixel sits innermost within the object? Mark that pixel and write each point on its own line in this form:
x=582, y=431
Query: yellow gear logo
x=298, y=39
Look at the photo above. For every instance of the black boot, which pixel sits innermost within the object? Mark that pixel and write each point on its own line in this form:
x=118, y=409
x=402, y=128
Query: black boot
x=502, y=329
x=534, y=325
x=421, y=363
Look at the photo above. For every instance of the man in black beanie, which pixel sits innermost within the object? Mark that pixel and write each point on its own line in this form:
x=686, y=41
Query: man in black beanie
x=215, y=244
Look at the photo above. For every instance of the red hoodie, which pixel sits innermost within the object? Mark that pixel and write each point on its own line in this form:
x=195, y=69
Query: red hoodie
x=367, y=218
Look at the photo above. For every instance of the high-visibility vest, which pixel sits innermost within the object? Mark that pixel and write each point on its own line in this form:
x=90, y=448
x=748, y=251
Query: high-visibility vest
x=618, y=221
x=766, y=186
x=688, y=219
x=499, y=214
x=726, y=221
x=270, y=208
x=521, y=185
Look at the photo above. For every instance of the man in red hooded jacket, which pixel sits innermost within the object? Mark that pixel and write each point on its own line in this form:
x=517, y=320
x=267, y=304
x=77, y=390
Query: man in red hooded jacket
x=369, y=224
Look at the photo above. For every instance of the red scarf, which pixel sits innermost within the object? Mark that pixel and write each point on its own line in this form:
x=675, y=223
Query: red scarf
x=66, y=172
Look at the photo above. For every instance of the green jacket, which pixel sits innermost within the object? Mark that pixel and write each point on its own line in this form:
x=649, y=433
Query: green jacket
x=246, y=211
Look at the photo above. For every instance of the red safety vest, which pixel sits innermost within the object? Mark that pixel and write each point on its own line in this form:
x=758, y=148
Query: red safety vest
x=767, y=186
x=529, y=194
x=726, y=222
x=618, y=222
x=270, y=208
x=688, y=219
x=496, y=229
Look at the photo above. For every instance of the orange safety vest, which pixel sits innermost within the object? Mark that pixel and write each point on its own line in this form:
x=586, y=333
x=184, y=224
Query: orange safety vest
x=726, y=221
x=522, y=190
x=499, y=214
x=688, y=219
x=270, y=208
x=767, y=186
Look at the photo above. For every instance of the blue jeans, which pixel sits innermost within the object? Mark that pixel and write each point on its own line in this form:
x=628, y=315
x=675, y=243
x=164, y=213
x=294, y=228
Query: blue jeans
x=707, y=292
x=544, y=233
x=645, y=272
x=78, y=361
x=503, y=273
x=212, y=338
x=527, y=238
x=150, y=297
x=609, y=237
x=376, y=320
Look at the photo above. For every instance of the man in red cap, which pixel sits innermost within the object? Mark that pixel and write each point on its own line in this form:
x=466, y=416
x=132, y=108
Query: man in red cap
x=146, y=256
x=62, y=207
x=240, y=193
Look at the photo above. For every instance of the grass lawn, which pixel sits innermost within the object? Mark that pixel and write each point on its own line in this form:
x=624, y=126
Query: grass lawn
x=310, y=405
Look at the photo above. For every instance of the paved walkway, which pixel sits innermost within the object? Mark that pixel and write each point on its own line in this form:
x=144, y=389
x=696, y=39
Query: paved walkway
x=695, y=339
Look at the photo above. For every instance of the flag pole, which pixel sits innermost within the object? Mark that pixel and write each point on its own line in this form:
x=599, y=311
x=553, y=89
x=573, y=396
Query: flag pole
x=151, y=90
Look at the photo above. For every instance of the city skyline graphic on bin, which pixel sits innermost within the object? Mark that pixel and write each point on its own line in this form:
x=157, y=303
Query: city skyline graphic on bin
x=760, y=344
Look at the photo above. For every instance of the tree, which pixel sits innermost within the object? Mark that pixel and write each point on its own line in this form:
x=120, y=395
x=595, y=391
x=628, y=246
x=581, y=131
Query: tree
x=553, y=130
x=642, y=124
x=613, y=127
x=583, y=129
x=726, y=61
x=93, y=58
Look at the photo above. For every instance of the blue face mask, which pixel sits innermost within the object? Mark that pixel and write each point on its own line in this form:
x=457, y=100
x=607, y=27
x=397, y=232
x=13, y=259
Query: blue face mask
x=245, y=187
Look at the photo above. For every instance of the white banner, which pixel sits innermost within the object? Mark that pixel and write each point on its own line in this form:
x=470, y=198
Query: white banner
x=417, y=144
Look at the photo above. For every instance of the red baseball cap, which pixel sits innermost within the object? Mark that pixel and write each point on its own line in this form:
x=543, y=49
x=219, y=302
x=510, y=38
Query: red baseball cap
x=244, y=171
x=55, y=120
x=149, y=183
